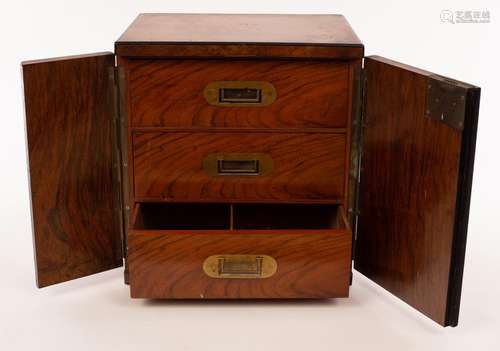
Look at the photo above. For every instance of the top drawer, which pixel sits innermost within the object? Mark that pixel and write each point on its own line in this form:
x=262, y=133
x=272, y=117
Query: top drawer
x=238, y=94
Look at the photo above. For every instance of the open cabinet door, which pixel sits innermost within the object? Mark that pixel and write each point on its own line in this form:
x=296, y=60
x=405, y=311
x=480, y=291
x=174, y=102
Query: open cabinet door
x=415, y=183
x=69, y=124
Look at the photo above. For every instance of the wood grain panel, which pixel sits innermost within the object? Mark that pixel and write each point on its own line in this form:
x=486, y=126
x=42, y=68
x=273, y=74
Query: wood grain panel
x=238, y=51
x=168, y=263
x=415, y=189
x=169, y=93
x=69, y=133
x=240, y=28
x=168, y=166
x=226, y=35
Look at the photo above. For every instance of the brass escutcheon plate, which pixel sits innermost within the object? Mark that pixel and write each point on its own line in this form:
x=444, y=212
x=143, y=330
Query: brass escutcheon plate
x=240, y=93
x=240, y=266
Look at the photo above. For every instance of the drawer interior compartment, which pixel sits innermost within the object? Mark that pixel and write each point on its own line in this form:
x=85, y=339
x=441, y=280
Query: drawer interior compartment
x=287, y=216
x=217, y=216
x=244, y=252
x=186, y=216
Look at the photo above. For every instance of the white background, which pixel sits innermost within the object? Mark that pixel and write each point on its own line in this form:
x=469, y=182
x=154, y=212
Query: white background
x=96, y=313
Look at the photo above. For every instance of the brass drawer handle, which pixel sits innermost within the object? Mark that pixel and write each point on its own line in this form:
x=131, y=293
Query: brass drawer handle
x=241, y=167
x=238, y=164
x=240, y=266
x=240, y=93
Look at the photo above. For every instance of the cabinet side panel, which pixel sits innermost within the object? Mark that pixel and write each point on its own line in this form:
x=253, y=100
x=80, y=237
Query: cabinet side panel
x=69, y=136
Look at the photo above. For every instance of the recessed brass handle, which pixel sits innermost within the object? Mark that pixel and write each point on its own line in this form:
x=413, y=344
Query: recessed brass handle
x=240, y=266
x=240, y=167
x=238, y=164
x=240, y=93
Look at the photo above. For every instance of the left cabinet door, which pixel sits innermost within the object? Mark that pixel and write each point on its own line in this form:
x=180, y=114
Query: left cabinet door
x=70, y=132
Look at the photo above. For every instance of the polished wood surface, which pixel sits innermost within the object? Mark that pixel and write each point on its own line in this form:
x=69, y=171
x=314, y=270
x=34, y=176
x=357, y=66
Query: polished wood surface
x=240, y=51
x=169, y=93
x=172, y=128
x=238, y=35
x=70, y=166
x=168, y=263
x=414, y=192
x=240, y=28
x=416, y=172
x=169, y=166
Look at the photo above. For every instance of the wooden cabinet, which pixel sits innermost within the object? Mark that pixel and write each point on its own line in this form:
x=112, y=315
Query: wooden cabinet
x=250, y=156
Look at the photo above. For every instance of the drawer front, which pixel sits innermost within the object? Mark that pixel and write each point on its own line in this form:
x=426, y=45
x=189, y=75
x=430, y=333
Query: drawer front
x=239, y=264
x=238, y=166
x=240, y=94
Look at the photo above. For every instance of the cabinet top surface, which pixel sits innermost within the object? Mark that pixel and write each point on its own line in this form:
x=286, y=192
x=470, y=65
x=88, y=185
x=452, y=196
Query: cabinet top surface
x=321, y=30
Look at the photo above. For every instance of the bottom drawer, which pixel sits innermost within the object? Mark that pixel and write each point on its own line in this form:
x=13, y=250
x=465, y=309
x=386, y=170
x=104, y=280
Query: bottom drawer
x=193, y=251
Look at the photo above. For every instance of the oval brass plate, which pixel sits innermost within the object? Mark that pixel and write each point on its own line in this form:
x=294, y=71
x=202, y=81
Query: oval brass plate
x=240, y=266
x=240, y=93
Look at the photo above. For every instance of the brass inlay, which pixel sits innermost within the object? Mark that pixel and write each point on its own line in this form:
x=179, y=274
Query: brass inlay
x=238, y=164
x=240, y=266
x=240, y=93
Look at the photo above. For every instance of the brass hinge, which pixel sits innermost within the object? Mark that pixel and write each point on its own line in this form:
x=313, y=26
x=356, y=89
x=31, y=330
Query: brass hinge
x=119, y=141
x=116, y=170
x=123, y=140
x=356, y=148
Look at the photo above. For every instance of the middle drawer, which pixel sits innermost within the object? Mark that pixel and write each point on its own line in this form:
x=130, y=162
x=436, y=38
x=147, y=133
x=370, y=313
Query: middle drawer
x=238, y=166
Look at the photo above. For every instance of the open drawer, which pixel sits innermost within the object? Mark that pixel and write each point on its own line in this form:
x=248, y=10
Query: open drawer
x=197, y=251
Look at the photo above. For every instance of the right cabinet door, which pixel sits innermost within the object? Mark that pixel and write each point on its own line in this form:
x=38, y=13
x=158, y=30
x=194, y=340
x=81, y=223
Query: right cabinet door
x=415, y=183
